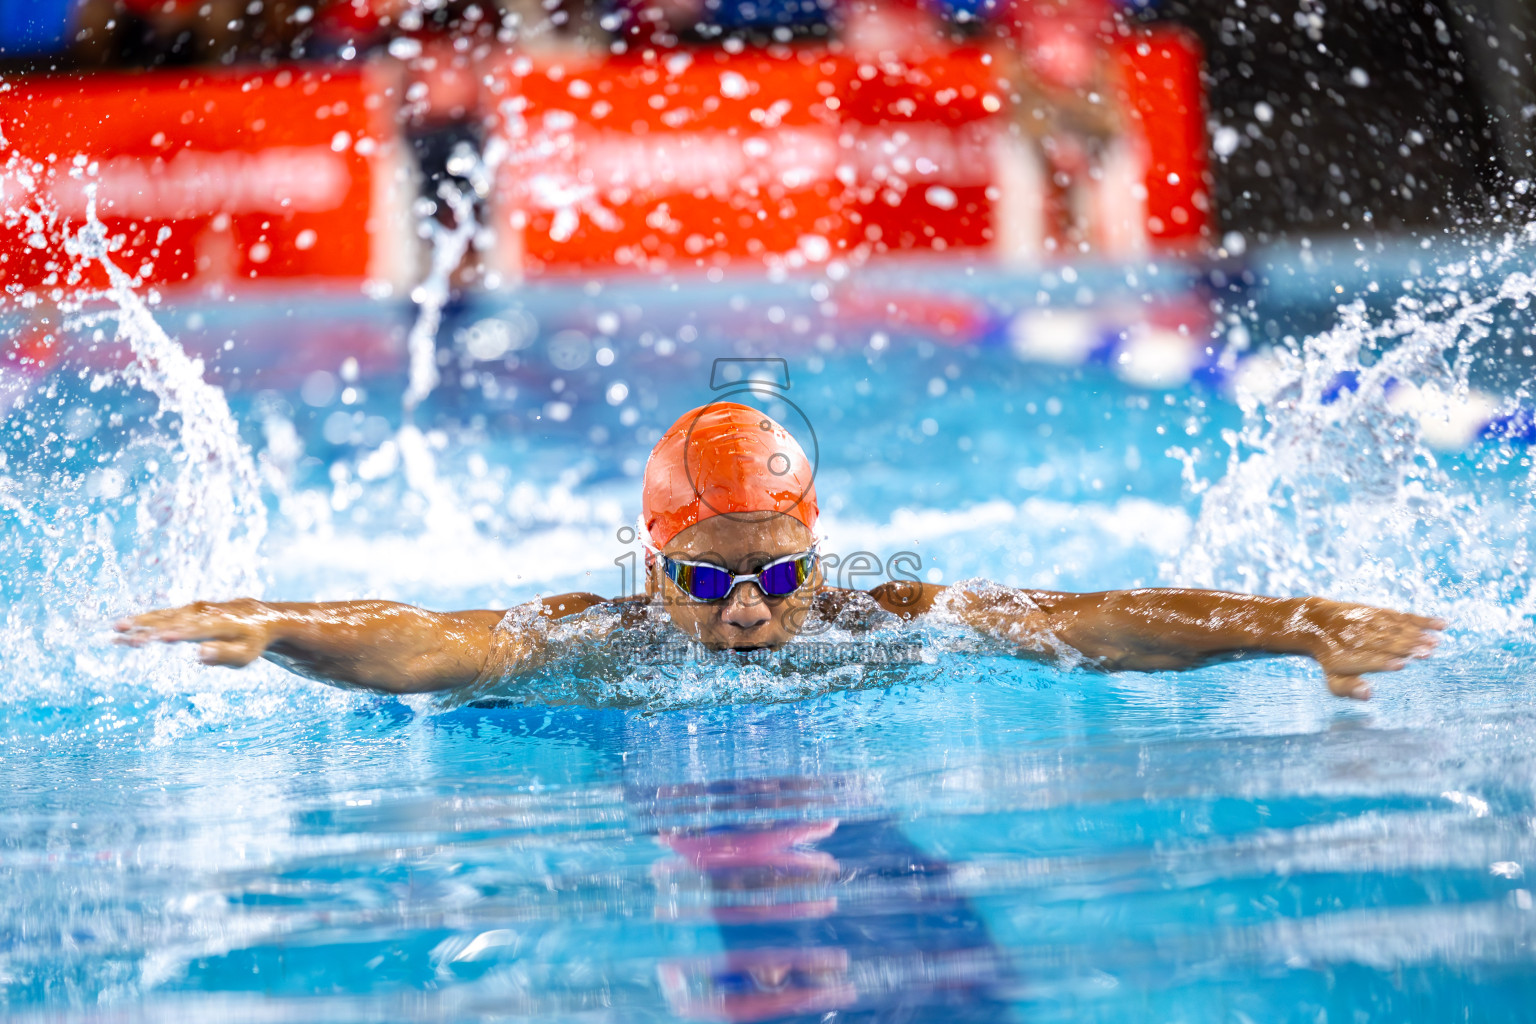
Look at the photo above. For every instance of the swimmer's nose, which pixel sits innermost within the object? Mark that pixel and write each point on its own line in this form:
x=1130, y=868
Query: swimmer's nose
x=745, y=608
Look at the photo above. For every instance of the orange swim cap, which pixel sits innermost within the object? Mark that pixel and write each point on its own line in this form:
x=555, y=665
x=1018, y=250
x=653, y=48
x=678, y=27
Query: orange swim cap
x=725, y=459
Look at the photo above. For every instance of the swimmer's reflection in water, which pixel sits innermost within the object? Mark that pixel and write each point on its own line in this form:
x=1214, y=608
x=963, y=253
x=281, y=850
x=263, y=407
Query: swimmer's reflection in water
x=730, y=510
x=821, y=916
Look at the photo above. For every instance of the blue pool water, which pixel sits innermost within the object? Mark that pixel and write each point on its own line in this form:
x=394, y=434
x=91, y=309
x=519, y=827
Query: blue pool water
x=971, y=838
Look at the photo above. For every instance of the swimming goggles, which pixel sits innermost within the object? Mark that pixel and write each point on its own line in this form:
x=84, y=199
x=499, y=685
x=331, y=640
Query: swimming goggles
x=705, y=582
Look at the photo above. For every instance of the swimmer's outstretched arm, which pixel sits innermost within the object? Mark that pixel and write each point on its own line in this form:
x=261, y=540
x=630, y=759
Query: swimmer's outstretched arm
x=374, y=645
x=1158, y=629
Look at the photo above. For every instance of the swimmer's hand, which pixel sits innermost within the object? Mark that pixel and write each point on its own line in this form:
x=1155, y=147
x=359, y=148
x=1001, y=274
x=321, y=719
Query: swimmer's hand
x=230, y=633
x=375, y=645
x=1348, y=640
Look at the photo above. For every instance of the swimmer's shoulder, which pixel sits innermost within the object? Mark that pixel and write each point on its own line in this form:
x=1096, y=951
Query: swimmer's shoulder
x=631, y=609
x=910, y=598
x=561, y=605
x=905, y=598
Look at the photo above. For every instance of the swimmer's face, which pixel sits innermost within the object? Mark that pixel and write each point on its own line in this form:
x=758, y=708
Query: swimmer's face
x=746, y=619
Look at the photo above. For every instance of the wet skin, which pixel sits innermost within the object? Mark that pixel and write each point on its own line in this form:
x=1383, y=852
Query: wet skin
x=397, y=648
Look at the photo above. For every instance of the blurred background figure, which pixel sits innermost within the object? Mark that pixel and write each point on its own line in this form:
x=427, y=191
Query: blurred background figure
x=357, y=28
x=558, y=26
x=352, y=28
x=157, y=33
x=444, y=118
x=1072, y=172
x=889, y=29
x=440, y=46
x=275, y=29
x=642, y=23
x=446, y=130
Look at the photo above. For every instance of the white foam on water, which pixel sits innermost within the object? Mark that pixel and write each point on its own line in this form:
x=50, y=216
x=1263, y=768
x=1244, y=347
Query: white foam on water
x=595, y=659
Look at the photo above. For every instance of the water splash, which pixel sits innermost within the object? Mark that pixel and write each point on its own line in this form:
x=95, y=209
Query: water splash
x=208, y=540
x=1334, y=483
x=449, y=247
x=98, y=529
x=410, y=448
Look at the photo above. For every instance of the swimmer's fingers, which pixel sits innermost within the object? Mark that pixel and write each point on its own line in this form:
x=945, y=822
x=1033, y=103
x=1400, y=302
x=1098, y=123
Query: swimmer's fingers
x=231, y=653
x=1353, y=687
x=172, y=626
x=228, y=635
x=1345, y=675
x=1385, y=655
x=134, y=633
x=136, y=630
x=1414, y=635
x=1358, y=638
x=1385, y=642
x=1410, y=639
x=193, y=622
x=1397, y=637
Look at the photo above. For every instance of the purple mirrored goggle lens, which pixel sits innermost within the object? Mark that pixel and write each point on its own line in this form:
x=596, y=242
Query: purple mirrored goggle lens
x=710, y=583
x=702, y=582
x=783, y=578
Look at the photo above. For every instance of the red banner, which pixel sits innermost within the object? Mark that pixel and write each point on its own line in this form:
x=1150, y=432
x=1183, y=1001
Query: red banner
x=922, y=137
x=1160, y=75
x=694, y=160
x=204, y=176
x=691, y=159
x=697, y=159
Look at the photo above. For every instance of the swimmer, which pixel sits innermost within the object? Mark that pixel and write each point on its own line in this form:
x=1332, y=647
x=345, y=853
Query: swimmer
x=729, y=510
